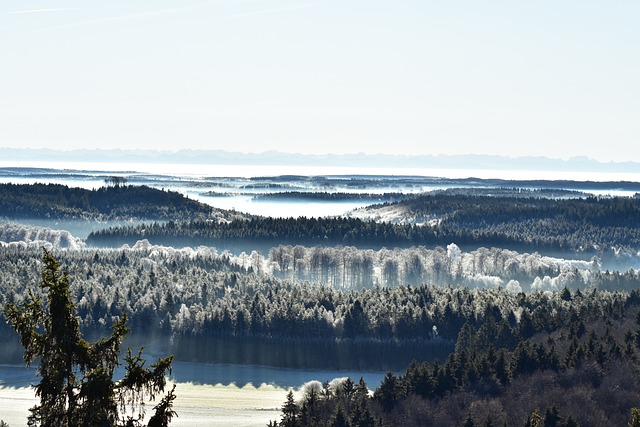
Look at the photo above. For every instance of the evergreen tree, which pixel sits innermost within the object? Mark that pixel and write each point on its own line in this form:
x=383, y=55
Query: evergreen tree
x=77, y=386
x=347, y=390
x=361, y=393
x=551, y=417
x=502, y=367
x=638, y=331
x=565, y=294
x=469, y=422
x=570, y=422
x=356, y=322
x=340, y=418
x=388, y=394
x=361, y=417
x=289, y=412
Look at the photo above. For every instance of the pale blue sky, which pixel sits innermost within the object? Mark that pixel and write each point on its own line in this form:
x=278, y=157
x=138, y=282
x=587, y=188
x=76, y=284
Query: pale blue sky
x=550, y=78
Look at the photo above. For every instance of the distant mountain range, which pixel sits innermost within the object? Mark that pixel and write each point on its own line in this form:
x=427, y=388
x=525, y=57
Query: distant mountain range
x=221, y=157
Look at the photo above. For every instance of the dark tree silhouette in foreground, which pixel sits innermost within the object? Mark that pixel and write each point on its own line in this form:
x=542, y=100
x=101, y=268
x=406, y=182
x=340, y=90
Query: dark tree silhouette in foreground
x=77, y=387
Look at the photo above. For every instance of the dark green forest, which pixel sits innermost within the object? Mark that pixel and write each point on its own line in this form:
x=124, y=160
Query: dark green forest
x=333, y=196
x=55, y=201
x=588, y=225
x=584, y=372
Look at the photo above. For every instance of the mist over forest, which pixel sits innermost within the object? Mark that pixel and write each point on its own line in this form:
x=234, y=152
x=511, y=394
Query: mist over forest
x=467, y=290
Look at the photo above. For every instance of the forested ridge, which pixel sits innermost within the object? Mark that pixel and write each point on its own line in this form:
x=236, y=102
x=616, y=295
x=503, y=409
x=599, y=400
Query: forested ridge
x=202, y=296
x=332, y=196
x=581, y=373
x=55, y=201
x=591, y=225
x=524, y=220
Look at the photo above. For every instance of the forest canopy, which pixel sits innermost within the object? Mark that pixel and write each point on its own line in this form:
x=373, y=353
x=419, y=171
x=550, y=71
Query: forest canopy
x=602, y=226
x=56, y=201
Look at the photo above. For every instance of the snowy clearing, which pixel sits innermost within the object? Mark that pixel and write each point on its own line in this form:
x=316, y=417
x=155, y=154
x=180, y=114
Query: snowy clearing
x=196, y=405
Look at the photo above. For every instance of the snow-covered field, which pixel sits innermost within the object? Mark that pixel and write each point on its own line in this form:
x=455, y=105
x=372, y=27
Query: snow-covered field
x=208, y=394
x=196, y=405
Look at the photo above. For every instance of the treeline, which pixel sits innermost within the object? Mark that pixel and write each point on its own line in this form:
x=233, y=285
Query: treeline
x=55, y=201
x=592, y=225
x=459, y=208
x=199, y=296
x=582, y=372
x=40, y=236
x=347, y=267
x=332, y=196
x=268, y=231
x=350, y=268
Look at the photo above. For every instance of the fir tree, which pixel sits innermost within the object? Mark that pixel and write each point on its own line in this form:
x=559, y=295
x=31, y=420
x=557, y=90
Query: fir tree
x=289, y=412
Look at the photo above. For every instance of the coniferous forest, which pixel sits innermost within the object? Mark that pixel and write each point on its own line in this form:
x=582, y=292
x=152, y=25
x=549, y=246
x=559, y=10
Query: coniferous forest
x=592, y=225
x=518, y=308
